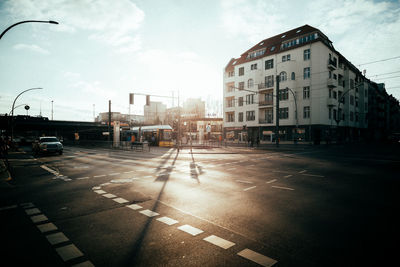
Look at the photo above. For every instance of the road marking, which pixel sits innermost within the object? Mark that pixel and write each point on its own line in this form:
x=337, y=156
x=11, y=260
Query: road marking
x=303, y=171
x=129, y=171
x=245, y=182
x=69, y=252
x=120, y=200
x=96, y=188
x=84, y=264
x=105, y=184
x=134, y=206
x=149, y=213
x=220, y=242
x=313, y=175
x=287, y=176
x=102, y=175
x=249, y=188
x=57, y=238
x=27, y=205
x=109, y=195
x=167, y=220
x=81, y=178
x=115, y=173
x=281, y=187
x=32, y=211
x=190, y=229
x=230, y=169
x=47, y=227
x=257, y=257
x=100, y=192
x=8, y=207
x=39, y=218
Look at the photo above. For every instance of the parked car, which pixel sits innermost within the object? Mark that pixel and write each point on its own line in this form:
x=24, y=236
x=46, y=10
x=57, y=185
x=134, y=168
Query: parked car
x=47, y=144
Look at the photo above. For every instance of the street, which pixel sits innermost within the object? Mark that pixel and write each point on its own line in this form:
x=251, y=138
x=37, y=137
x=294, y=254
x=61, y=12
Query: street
x=293, y=206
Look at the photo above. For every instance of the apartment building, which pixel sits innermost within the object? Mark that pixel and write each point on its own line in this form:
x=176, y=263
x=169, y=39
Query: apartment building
x=321, y=94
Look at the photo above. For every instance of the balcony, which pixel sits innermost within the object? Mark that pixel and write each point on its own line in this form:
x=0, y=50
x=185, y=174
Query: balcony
x=263, y=86
x=331, y=83
x=331, y=102
x=265, y=121
x=265, y=102
x=332, y=64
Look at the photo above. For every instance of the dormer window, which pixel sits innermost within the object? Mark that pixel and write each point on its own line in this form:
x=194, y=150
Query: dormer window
x=261, y=43
x=283, y=36
x=298, y=31
x=272, y=48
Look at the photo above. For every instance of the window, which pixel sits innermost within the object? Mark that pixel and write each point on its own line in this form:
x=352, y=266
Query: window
x=241, y=71
x=351, y=84
x=286, y=58
x=269, y=115
x=250, y=115
x=293, y=76
x=334, y=94
x=231, y=74
x=306, y=92
x=351, y=100
x=357, y=116
x=249, y=99
x=269, y=64
x=306, y=54
x=282, y=76
x=306, y=73
x=356, y=100
x=240, y=101
x=250, y=83
x=269, y=98
x=253, y=66
x=230, y=116
x=366, y=106
x=240, y=118
x=284, y=94
x=272, y=48
x=269, y=81
x=230, y=102
x=334, y=114
x=256, y=53
x=284, y=113
x=330, y=113
x=241, y=85
x=230, y=88
x=306, y=112
x=351, y=115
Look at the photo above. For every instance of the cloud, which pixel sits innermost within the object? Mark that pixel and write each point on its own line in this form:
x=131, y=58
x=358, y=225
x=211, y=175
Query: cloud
x=112, y=22
x=32, y=48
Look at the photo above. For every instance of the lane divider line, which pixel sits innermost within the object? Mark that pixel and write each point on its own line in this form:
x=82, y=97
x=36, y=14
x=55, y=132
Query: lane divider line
x=249, y=188
x=281, y=187
x=218, y=241
x=257, y=257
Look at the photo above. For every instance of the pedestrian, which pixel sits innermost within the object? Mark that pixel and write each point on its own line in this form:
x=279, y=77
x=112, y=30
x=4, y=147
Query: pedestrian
x=251, y=141
x=258, y=141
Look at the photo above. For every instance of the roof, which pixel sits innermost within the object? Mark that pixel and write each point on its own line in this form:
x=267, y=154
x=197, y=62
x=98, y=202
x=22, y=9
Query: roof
x=272, y=45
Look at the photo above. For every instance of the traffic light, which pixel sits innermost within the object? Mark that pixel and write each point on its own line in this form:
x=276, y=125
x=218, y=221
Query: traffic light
x=131, y=101
x=147, y=100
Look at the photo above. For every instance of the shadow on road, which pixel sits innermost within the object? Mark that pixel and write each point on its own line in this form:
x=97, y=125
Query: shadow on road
x=162, y=177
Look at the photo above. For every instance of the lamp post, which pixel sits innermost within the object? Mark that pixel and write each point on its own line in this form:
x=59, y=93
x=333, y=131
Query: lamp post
x=12, y=109
x=28, y=21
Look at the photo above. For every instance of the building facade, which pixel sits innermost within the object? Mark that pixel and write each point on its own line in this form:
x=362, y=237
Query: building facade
x=194, y=108
x=155, y=113
x=321, y=94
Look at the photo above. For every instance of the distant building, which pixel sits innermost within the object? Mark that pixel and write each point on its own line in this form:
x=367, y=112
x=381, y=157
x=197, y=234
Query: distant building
x=172, y=115
x=201, y=129
x=194, y=108
x=123, y=118
x=155, y=113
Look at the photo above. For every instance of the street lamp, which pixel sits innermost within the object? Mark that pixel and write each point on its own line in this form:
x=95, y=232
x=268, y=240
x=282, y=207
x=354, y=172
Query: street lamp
x=27, y=21
x=12, y=109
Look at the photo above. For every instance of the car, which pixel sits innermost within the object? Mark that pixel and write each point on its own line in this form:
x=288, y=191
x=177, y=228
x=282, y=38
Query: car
x=48, y=144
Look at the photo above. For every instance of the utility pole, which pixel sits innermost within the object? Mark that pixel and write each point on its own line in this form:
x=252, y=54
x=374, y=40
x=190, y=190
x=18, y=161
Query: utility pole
x=52, y=109
x=109, y=120
x=179, y=124
x=277, y=112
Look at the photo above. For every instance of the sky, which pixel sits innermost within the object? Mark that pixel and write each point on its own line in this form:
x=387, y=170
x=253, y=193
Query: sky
x=103, y=50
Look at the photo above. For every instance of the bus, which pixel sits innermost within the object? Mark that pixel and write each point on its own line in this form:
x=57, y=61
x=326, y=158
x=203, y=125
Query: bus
x=162, y=134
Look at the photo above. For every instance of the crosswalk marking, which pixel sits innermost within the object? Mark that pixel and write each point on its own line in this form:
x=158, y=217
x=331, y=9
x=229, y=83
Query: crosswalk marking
x=220, y=242
x=257, y=257
x=39, y=218
x=100, y=192
x=57, y=238
x=109, y=195
x=120, y=200
x=47, y=227
x=32, y=211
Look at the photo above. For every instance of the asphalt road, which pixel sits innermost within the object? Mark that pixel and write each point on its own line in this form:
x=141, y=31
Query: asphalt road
x=293, y=206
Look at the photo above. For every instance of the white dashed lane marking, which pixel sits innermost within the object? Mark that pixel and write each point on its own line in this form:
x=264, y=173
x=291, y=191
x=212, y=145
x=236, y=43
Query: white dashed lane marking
x=287, y=176
x=149, y=213
x=190, y=229
x=220, y=242
x=249, y=188
x=284, y=188
x=57, y=238
x=134, y=206
x=271, y=181
x=39, y=218
x=245, y=182
x=109, y=195
x=257, y=257
x=32, y=211
x=100, y=191
x=120, y=200
x=69, y=252
x=47, y=227
x=167, y=220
